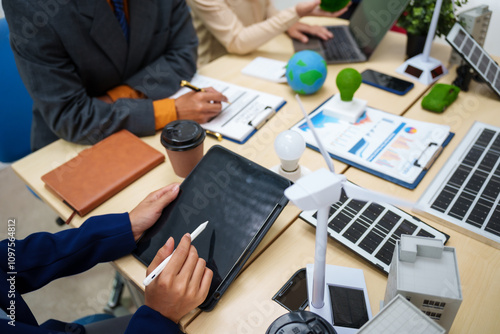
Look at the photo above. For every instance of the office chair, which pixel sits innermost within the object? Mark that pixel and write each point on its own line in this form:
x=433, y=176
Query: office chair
x=16, y=105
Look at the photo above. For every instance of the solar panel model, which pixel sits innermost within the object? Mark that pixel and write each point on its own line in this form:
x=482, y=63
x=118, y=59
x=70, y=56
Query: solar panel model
x=465, y=194
x=371, y=229
x=474, y=54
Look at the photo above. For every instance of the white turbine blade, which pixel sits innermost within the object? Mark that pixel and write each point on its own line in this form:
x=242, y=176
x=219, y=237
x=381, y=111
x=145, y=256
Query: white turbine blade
x=361, y=194
x=325, y=154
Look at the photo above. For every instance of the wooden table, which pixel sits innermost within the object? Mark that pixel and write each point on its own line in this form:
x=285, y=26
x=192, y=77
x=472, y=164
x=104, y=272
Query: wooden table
x=247, y=306
x=479, y=264
x=388, y=56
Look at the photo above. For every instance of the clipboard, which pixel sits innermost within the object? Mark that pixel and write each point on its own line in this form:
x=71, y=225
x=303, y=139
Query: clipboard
x=246, y=113
x=240, y=199
x=394, y=148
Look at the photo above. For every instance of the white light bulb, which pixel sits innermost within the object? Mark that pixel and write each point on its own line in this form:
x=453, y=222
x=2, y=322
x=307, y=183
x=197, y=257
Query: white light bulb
x=289, y=146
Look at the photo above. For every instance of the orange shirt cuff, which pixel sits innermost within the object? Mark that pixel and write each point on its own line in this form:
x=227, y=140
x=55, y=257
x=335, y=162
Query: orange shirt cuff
x=164, y=112
x=124, y=92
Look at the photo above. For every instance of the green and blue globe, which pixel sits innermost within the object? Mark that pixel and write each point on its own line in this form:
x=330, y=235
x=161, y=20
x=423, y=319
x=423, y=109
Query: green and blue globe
x=306, y=72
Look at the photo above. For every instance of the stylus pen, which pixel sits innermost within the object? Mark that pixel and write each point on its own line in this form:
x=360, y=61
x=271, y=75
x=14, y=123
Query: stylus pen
x=163, y=264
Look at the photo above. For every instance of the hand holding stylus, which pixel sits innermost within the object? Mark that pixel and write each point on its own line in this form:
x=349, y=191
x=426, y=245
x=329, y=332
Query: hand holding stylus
x=183, y=285
x=163, y=264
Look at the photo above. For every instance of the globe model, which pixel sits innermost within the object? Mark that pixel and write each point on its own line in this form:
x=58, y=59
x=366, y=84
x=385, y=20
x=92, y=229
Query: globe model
x=306, y=72
x=333, y=5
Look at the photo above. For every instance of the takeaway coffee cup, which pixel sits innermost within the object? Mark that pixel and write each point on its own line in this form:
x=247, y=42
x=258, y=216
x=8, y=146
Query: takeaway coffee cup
x=183, y=140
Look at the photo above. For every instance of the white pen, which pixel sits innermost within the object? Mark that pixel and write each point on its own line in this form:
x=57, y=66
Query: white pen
x=162, y=265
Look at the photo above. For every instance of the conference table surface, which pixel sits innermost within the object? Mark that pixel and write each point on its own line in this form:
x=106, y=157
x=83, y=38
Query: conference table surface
x=478, y=263
x=259, y=148
x=248, y=307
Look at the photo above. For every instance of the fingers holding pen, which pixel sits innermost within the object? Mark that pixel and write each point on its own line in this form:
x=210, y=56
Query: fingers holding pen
x=182, y=285
x=213, y=95
x=200, y=106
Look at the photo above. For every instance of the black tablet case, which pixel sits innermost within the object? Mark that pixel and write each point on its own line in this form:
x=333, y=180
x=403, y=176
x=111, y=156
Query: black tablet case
x=238, y=197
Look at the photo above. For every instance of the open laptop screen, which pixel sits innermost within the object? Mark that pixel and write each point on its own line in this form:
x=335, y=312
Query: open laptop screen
x=371, y=21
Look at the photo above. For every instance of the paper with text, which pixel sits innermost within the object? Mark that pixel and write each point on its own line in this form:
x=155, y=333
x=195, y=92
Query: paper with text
x=234, y=121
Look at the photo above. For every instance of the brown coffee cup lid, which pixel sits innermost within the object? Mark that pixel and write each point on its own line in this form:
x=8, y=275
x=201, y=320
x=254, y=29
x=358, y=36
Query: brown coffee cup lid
x=182, y=135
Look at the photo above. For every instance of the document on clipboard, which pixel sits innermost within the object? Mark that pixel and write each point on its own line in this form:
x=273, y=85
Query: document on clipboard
x=247, y=111
x=395, y=148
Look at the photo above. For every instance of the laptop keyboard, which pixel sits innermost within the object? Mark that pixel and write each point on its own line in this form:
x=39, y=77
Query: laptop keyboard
x=470, y=195
x=340, y=47
x=372, y=229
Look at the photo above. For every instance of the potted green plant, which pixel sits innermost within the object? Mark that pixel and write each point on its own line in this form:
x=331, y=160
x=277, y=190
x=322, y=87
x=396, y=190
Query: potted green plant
x=416, y=19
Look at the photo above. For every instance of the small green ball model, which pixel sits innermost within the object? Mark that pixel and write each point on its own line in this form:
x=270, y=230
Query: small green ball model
x=333, y=5
x=306, y=72
x=348, y=81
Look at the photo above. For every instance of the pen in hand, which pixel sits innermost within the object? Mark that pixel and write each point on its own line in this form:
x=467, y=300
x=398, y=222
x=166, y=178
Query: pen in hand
x=185, y=83
x=164, y=263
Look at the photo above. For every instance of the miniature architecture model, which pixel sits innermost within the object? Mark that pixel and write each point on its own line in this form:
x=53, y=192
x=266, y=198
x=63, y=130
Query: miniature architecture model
x=426, y=273
x=401, y=317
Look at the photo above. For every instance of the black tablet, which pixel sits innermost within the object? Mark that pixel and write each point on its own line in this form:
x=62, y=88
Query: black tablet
x=238, y=197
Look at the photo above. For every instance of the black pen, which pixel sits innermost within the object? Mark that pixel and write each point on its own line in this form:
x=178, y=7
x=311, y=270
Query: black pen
x=185, y=83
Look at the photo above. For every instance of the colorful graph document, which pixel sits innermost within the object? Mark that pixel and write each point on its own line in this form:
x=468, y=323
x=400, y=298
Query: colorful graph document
x=395, y=148
x=247, y=111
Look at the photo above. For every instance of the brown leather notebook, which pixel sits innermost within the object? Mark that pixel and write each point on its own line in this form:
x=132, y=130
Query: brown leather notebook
x=102, y=170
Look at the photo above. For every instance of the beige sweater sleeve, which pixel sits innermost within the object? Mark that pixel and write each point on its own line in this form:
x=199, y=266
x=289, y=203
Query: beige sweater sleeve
x=224, y=23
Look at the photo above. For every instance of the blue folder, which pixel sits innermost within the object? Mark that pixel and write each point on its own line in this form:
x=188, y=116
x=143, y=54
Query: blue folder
x=387, y=177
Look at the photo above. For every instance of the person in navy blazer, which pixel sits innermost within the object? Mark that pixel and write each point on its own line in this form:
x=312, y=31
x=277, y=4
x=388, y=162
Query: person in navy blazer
x=73, y=54
x=43, y=257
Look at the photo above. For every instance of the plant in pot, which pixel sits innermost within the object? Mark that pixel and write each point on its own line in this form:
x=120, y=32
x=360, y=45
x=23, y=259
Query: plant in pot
x=416, y=19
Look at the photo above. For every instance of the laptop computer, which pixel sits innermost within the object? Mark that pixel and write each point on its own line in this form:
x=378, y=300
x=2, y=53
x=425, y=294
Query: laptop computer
x=356, y=42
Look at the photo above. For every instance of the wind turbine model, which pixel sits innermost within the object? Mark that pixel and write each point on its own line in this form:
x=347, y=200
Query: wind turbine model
x=423, y=67
x=318, y=191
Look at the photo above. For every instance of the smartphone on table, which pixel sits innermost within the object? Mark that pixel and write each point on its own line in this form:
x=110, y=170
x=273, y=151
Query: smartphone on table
x=386, y=82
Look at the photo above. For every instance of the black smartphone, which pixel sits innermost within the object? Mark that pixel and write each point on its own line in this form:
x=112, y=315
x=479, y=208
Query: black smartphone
x=293, y=295
x=386, y=82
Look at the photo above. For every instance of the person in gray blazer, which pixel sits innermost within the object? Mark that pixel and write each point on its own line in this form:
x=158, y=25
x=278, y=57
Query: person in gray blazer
x=88, y=80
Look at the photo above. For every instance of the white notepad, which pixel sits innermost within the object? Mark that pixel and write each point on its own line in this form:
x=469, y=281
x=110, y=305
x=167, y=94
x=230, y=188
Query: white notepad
x=267, y=69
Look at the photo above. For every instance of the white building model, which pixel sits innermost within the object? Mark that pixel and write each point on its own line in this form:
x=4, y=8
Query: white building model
x=426, y=273
x=401, y=317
